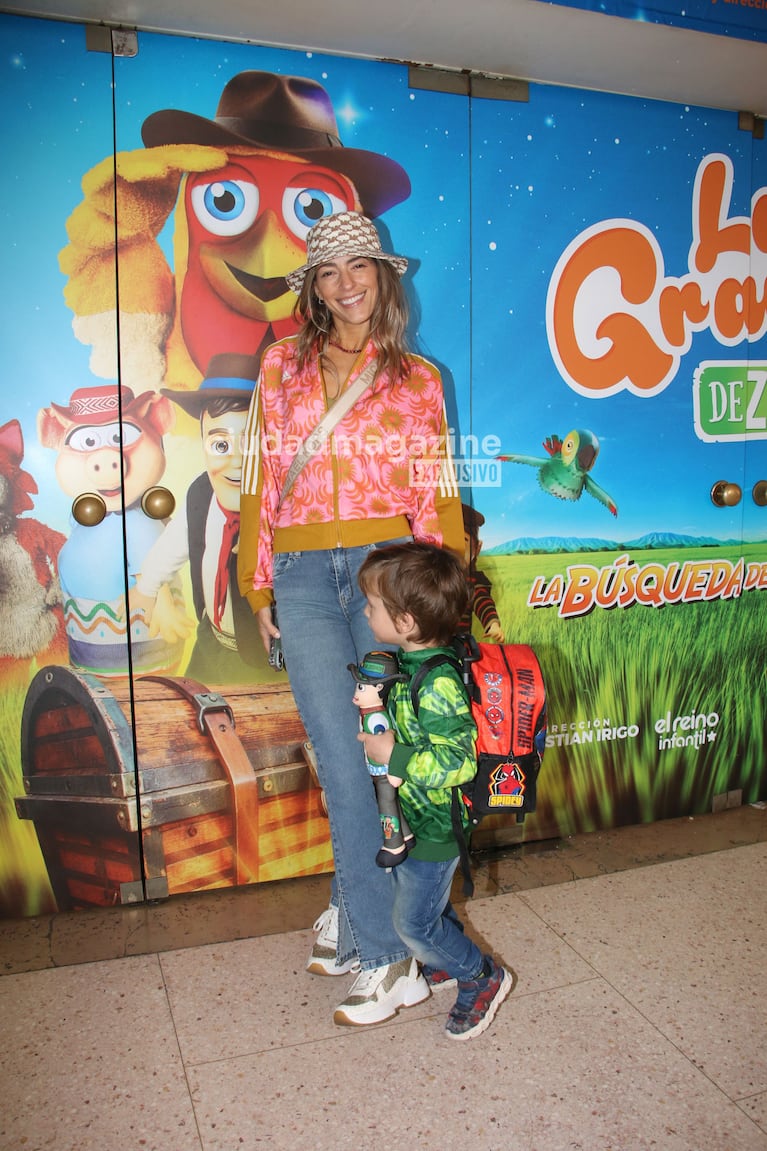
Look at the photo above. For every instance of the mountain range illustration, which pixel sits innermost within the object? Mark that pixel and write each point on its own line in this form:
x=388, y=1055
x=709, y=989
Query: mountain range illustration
x=647, y=542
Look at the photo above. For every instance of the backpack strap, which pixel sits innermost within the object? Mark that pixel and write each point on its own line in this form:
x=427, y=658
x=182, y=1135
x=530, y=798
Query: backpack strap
x=455, y=800
x=427, y=666
x=460, y=837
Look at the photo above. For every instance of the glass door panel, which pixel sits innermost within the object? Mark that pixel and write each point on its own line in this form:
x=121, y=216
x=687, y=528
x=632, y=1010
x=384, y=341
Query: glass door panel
x=68, y=797
x=606, y=236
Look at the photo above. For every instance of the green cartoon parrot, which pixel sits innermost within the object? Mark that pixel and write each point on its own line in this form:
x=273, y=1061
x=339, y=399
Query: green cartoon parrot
x=566, y=473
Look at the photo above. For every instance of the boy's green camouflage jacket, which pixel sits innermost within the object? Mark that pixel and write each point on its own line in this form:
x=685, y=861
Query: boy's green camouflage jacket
x=434, y=751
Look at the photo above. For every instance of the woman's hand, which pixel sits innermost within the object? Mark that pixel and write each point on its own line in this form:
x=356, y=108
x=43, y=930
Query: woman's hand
x=266, y=627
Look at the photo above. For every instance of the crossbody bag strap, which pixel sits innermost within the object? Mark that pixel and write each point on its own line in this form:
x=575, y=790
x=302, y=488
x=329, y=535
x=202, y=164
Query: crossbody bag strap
x=320, y=433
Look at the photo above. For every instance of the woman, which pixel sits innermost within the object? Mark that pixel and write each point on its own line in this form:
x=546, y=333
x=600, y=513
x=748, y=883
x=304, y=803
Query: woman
x=383, y=474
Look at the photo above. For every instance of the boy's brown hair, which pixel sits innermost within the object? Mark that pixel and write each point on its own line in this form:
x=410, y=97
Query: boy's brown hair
x=423, y=580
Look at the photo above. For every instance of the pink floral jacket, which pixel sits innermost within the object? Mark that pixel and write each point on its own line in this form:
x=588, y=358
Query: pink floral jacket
x=385, y=472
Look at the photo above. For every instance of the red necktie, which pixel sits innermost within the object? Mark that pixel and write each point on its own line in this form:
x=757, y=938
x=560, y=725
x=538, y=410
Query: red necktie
x=229, y=535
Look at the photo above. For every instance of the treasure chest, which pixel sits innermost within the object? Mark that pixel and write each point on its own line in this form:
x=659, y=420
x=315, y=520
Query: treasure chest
x=153, y=786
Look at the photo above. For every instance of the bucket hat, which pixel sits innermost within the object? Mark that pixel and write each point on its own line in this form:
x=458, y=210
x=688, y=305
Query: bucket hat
x=335, y=237
x=230, y=375
x=291, y=114
x=378, y=667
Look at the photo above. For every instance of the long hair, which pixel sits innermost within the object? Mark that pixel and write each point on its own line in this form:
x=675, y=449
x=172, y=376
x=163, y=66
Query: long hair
x=387, y=323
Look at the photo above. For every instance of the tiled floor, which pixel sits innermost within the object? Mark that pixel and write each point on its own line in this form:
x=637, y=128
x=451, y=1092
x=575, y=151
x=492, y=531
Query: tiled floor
x=639, y=1020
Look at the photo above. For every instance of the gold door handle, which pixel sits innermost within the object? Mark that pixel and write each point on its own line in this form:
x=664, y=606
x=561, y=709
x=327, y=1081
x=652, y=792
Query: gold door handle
x=726, y=494
x=158, y=503
x=759, y=493
x=89, y=509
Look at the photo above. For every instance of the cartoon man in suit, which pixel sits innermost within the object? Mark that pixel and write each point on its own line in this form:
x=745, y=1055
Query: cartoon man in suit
x=205, y=530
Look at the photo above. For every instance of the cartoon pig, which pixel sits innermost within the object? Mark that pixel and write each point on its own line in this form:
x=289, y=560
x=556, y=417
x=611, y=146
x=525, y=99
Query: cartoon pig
x=109, y=445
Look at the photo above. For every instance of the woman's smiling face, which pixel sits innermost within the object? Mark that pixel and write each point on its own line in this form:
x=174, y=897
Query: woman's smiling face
x=349, y=288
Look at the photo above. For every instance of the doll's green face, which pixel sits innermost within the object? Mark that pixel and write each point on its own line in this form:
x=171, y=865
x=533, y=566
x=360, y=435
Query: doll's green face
x=222, y=440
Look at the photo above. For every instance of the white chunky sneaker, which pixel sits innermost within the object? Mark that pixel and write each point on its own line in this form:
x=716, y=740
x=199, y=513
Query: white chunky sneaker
x=323, y=959
x=377, y=995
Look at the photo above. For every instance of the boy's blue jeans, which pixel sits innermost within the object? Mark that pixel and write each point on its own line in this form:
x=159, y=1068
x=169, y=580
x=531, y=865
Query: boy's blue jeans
x=320, y=614
x=426, y=921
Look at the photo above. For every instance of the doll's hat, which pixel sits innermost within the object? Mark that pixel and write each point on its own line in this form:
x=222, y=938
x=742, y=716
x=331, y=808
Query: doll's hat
x=340, y=237
x=378, y=667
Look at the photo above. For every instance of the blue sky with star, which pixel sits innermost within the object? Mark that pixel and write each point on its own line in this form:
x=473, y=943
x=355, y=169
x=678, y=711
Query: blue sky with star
x=499, y=190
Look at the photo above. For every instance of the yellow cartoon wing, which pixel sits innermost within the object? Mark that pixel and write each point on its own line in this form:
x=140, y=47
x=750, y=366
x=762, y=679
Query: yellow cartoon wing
x=139, y=189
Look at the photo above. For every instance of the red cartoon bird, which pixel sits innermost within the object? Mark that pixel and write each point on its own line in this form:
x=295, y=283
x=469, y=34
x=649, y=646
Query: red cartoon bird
x=252, y=182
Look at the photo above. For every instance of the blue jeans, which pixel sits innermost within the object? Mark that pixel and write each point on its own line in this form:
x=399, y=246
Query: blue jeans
x=320, y=614
x=426, y=921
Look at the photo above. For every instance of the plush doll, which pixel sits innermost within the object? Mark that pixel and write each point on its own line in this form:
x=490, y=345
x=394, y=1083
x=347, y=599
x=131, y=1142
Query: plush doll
x=374, y=677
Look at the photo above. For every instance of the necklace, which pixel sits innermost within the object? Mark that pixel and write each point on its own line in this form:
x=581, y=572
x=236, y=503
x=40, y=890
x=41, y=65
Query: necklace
x=341, y=348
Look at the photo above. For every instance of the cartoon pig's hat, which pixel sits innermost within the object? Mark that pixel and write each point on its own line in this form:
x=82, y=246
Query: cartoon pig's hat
x=103, y=404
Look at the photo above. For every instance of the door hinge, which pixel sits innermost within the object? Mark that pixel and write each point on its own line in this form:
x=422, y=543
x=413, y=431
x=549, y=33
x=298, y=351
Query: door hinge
x=456, y=83
x=749, y=122
x=116, y=41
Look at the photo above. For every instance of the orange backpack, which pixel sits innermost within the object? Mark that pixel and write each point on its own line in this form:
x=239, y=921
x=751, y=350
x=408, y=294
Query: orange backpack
x=505, y=686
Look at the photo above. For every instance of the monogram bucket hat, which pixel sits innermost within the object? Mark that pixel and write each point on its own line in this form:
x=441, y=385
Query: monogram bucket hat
x=339, y=237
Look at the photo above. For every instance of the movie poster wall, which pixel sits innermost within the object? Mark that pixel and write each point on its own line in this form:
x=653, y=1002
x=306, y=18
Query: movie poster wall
x=587, y=270
x=744, y=21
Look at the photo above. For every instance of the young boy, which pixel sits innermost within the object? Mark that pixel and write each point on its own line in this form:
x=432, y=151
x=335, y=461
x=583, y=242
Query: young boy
x=416, y=595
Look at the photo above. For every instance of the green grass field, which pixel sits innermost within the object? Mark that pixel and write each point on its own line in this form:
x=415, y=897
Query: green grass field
x=632, y=666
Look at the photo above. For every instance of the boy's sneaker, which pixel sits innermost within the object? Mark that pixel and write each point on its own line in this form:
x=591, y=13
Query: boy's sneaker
x=377, y=995
x=437, y=980
x=478, y=1000
x=324, y=957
